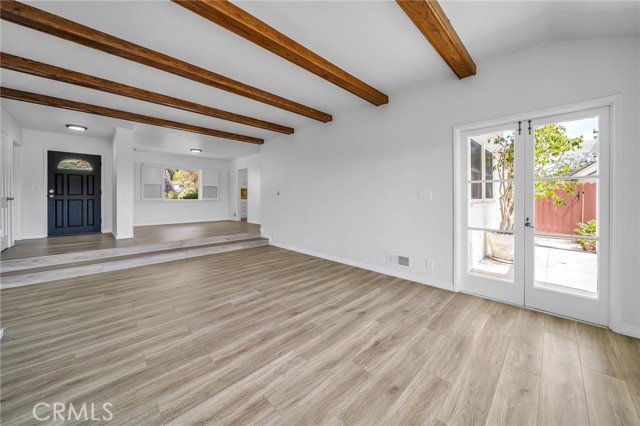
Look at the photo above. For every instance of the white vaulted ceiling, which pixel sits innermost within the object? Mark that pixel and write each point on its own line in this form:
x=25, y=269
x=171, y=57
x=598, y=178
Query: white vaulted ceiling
x=373, y=40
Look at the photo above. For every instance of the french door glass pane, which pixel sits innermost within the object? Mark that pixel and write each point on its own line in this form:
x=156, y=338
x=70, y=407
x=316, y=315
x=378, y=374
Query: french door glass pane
x=491, y=254
x=566, y=206
x=489, y=213
x=571, y=210
x=491, y=205
x=564, y=264
x=566, y=149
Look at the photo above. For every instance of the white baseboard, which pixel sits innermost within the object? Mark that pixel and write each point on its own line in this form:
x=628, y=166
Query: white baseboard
x=254, y=223
x=374, y=268
x=627, y=330
x=121, y=237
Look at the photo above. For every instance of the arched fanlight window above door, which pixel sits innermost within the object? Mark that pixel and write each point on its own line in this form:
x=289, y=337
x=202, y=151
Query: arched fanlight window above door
x=75, y=164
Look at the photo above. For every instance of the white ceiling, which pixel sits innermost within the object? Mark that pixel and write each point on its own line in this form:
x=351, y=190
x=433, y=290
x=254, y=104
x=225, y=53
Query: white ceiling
x=374, y=40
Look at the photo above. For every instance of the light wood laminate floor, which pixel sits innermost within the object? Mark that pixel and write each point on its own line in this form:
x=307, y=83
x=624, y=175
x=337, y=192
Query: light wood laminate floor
x=141, y=235
x=268, y=336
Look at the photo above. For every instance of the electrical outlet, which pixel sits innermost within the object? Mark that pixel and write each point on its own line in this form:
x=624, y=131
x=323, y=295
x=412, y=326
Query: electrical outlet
x=429, y=264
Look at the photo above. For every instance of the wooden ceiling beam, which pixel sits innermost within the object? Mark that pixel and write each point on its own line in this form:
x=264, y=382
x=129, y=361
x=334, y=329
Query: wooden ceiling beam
x=28, y=66
x=432, y=22
x=40, y=20
x=35, y=98
x=242, y=23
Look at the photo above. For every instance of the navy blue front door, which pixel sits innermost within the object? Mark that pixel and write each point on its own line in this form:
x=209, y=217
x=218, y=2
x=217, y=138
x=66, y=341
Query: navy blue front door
x=74, y=193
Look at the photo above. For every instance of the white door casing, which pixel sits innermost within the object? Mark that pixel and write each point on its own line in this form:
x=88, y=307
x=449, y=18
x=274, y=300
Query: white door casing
x=6, y=193
x=523, y=289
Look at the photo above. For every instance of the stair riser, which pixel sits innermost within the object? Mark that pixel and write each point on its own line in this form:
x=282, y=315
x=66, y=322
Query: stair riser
x=61, y=259
x=151, y=259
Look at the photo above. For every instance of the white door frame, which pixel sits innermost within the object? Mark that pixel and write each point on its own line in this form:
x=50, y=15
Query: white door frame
x=7, y=187
x=237, y=195
x=103, y=171
x=614, y=103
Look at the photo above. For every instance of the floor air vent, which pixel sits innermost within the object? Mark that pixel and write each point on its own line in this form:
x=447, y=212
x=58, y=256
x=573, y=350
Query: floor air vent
x=394, y=259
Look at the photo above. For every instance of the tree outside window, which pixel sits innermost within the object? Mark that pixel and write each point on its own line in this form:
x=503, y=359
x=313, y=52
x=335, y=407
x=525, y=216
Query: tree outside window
x=181, y=184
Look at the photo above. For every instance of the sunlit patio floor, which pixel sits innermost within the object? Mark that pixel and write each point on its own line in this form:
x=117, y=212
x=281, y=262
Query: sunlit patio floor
x=558, y=262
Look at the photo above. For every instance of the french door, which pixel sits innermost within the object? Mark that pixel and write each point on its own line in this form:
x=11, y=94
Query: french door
x=535, y=218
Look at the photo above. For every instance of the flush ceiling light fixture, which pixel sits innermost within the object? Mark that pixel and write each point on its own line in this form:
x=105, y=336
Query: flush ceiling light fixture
x=76, y=127
x=196, y=150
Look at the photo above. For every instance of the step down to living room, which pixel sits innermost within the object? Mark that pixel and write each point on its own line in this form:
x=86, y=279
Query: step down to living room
x=63, y=259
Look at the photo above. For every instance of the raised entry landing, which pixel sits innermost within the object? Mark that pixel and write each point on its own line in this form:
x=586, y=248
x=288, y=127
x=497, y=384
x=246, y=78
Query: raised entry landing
x=47, y=259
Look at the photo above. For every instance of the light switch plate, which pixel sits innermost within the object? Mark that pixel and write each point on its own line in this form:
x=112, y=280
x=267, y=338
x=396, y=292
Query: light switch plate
x=425, y=197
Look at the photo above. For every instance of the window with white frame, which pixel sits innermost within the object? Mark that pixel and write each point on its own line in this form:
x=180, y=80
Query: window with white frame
x=181, y=184
x=210, y=183
x=152, y=178
x=165, y=183
x=480, y=168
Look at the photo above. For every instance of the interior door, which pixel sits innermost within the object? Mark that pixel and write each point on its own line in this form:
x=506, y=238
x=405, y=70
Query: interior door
x=567, y=252
x=74, y=193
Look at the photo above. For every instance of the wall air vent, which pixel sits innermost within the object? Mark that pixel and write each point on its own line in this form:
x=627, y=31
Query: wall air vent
x=394, y=259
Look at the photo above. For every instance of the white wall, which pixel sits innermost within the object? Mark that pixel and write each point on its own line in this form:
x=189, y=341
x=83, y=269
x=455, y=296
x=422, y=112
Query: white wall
x=123, y=183
x=348, y=189
x=34, y=175
x=180, y=211
x=10, y=126
x=254, y=189
x=13, y=129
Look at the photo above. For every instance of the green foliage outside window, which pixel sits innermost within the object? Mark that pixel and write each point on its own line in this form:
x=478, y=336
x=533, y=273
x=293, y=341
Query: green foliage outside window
x=181, y=184
x=588, y=229
x=555, y=156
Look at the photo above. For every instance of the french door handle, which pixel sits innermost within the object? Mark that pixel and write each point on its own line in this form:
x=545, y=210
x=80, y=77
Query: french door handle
x=528, y=224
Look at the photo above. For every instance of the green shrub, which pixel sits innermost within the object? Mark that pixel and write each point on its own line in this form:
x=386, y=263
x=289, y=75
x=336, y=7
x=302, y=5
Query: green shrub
x=190, y=194
x=588, y=229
